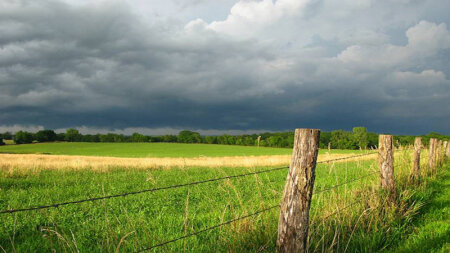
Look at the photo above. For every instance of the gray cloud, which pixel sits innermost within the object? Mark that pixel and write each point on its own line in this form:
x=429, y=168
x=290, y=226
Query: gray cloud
x=101, y=66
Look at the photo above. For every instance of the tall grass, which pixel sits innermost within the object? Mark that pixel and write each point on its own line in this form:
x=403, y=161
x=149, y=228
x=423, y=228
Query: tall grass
x=355, y=217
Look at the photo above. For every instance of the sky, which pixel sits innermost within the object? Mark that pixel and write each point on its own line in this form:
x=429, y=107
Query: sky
x=225, y=66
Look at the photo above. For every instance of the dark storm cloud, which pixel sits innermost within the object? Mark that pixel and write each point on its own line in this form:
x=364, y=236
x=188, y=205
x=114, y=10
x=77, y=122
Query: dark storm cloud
x=101, y=66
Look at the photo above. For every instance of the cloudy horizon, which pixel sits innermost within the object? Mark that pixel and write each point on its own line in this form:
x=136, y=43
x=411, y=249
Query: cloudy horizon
x=225, y=66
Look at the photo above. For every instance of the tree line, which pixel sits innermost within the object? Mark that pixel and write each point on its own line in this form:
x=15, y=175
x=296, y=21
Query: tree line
x=358, y=138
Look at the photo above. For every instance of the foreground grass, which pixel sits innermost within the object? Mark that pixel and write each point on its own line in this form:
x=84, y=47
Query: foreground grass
x=147, y=149
x=430, y=231
x=138, y=221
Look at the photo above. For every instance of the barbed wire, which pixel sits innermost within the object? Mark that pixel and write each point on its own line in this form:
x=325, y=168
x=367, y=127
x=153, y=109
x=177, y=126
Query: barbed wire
x=208, y=228
x=347, y=157
x=56, y=205
x=344, y=183
x=138, y=192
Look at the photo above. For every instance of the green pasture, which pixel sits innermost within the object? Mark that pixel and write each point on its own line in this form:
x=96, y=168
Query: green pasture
x=147, y=149
x=131, y=223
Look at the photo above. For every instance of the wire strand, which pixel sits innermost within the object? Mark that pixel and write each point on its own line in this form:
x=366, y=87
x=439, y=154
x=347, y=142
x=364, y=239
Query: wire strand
x=208, y=228
x=138, y=192
x=347, y=182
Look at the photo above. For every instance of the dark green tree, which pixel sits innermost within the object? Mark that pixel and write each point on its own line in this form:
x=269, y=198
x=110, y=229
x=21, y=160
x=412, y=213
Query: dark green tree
x=46, y=136
x=23, y=137
x=361, y=137
x=186, y=136
x=72, y=135
x=137, y=137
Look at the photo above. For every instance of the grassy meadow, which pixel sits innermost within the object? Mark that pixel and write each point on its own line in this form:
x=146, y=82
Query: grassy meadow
x=364, y=222
x=148, y=149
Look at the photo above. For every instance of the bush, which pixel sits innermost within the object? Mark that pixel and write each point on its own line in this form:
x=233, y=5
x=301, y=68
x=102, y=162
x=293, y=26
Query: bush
x=1, y=142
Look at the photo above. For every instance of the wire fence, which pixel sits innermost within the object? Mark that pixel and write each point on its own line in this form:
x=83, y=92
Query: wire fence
x=56, y=205
x=10, y=211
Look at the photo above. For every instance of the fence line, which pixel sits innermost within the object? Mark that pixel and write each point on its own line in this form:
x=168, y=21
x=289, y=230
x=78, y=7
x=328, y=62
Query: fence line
x=56, y=205
x=139, y=192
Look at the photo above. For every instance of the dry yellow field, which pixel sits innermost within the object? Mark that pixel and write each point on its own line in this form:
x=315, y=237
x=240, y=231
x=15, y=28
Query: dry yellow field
x=36, y=162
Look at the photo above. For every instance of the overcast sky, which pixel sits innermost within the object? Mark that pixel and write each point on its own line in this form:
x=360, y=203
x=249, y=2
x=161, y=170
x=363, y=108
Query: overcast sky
x=232, y=66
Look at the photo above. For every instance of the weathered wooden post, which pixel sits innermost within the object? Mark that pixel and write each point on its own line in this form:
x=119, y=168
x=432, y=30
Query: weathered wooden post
x=432, y=154
x=439, y=152
x=415, y=170
x=386, y=162
x=294, y=213
x=446, y=150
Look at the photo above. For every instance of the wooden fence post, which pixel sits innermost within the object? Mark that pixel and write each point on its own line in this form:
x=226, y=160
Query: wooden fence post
x=432, y=154
x=439, y=152
x=415, y=171
x=294, y=213
x=446, y=150
x=386, y=162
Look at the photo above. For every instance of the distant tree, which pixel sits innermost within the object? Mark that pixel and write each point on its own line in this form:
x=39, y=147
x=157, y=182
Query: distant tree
x=341, y=139
x=90, y=138
x=110, y=137
x=46, y=136
x=325, y=138
x=361, y=137
x=23, y=137
x=137, y=137
x=7, y=136
x=372, y=139
x=188, y=137
x=211, y=139
x=169, y=138
x=72, y=135
x=1, y=142
x=60, y=137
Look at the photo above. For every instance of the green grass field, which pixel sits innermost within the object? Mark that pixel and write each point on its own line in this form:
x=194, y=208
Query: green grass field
x=147, y=149
x=134, y=222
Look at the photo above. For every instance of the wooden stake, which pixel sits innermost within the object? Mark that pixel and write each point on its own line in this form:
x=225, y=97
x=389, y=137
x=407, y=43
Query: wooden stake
x=294, y=213
x=438, y=152
x=446, y=150
x=415, y=170
x=432, y=154
x=386, y=162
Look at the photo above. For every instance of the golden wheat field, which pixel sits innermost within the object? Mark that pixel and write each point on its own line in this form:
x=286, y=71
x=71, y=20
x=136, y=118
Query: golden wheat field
x=33, y=162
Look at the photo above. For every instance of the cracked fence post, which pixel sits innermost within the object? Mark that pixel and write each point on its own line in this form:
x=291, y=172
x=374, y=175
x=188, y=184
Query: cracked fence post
x=446, y=150
x=415, y=171
x=439, y=153
x=432, y=154
x=386, y=162
x=294, y=211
